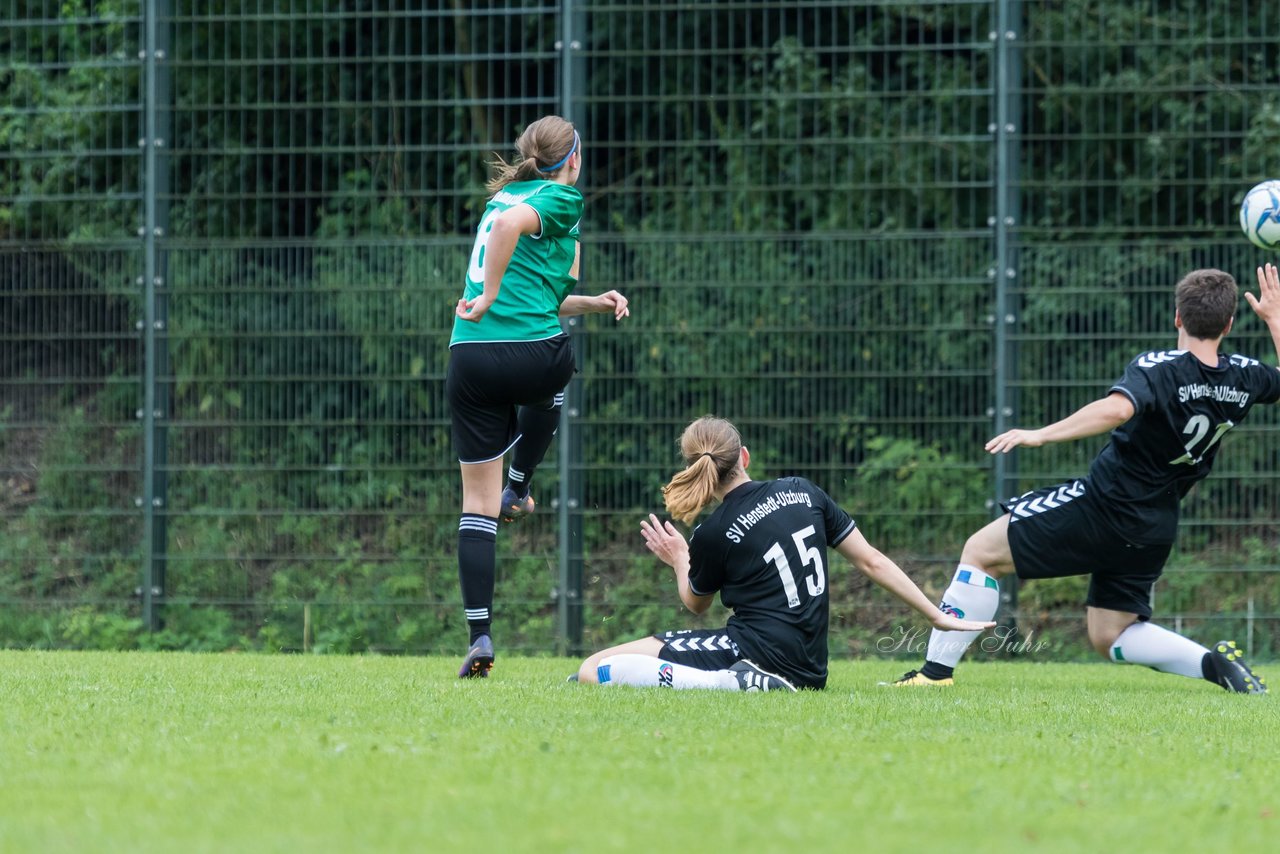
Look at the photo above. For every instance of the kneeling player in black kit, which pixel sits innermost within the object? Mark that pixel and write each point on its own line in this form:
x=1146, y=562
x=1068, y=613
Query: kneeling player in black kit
x=764, y=550
x=1167, y=415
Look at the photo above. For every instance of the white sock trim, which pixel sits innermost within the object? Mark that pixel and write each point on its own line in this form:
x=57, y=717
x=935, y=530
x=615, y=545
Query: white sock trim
x=1158, y=648
x=972, y=595
x=646, y=671
x=974, y=577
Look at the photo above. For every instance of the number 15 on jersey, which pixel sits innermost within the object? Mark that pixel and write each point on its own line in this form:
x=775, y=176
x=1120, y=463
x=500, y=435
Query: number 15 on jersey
x=816, y=582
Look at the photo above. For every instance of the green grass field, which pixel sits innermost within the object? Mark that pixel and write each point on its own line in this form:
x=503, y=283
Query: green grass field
x=176, y=752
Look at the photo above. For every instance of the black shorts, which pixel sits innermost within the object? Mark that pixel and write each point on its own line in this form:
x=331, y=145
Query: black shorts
x=704, y=649
x=488, y=380
x=1062, y=530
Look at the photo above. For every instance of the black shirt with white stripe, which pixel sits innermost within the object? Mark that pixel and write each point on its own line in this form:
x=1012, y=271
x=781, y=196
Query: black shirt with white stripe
x=1182, y=409
x=764, y=549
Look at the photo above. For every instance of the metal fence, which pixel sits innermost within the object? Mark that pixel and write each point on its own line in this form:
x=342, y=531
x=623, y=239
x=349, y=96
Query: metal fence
x=870, y=233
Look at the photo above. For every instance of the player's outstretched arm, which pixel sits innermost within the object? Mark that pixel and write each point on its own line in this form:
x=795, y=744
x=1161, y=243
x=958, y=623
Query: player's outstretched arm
x=669, y=545
x=1267, y=303
x=613, y=301
x=874, y=564
x=1092, y=419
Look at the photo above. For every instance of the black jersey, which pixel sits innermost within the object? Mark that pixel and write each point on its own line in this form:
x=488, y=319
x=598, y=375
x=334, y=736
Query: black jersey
x=1182, y=408
x=764, y=550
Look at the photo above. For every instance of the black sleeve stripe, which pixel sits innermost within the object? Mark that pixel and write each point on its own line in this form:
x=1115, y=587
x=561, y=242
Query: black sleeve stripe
x=844, y=534
x=695, y=591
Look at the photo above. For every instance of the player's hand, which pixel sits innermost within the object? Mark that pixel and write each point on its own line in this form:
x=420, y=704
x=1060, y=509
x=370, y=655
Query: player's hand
x=1267, y=304
x=1010, y=439
x=614, y=302
x=473, y=309
x=664, y=540
x=948, y=623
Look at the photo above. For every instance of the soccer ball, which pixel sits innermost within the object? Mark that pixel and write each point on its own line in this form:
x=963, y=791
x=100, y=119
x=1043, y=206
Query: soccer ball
x=1260, y=215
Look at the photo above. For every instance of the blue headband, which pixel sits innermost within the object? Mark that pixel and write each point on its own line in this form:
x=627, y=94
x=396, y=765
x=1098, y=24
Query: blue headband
x=564, y=159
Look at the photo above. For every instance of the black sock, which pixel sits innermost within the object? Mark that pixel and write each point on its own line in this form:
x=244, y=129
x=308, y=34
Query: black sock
x=1209, y=669
x=477, y=553
x=517, y=481
x=538, y=425
x=934, y=670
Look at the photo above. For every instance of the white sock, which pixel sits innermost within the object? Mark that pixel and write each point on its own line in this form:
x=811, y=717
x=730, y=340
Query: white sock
x=1159, y=648
x=645, y=671
x=973, y=595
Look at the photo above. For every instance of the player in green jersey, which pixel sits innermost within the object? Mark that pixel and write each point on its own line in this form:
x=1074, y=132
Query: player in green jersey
x=509, y=360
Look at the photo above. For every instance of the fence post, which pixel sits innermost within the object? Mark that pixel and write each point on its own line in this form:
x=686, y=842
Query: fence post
x=1006, y=132
x=569, y=505
x=155, y=354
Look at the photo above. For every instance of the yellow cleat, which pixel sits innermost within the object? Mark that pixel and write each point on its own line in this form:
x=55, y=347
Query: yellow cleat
x=914, y=678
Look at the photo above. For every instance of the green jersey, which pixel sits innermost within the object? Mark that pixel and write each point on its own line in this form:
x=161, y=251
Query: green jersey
x=542, y=272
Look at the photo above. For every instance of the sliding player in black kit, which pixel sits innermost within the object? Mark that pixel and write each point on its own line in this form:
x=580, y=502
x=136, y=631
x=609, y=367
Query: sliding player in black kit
x=764, y=551
x=1167, y=416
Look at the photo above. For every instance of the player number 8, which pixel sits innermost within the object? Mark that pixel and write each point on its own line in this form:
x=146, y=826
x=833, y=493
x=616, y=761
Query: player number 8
x=475, y=270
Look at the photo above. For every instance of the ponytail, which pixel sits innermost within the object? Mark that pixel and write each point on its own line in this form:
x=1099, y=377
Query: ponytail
x=543, y=150
x=505, y=173
x=712, y=449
